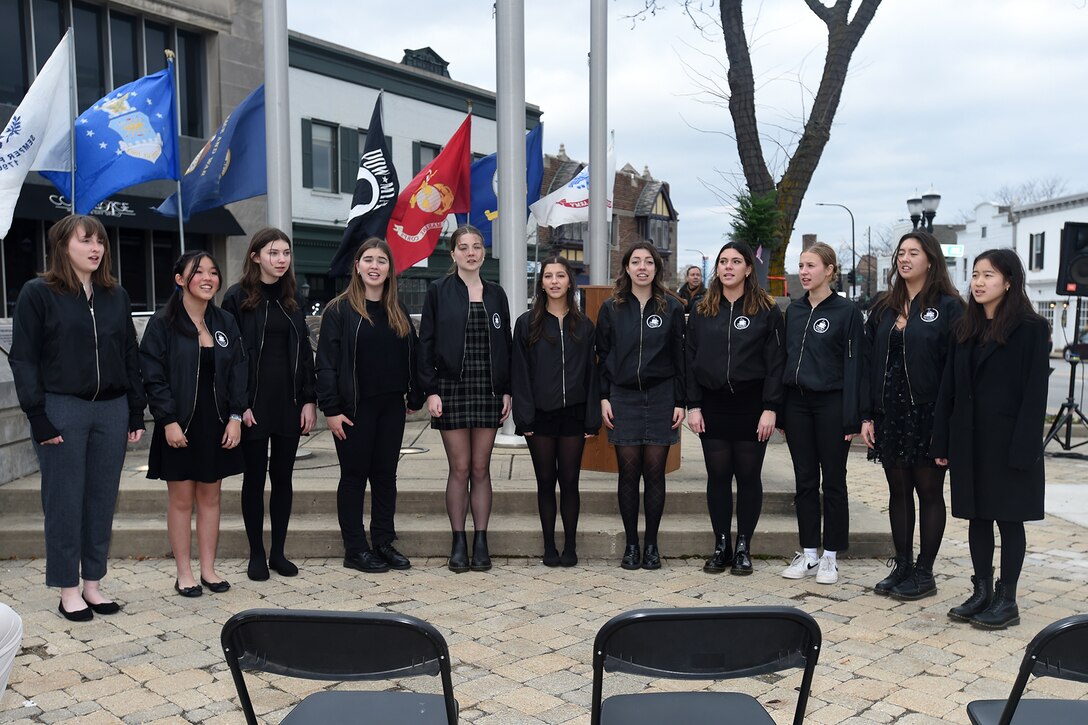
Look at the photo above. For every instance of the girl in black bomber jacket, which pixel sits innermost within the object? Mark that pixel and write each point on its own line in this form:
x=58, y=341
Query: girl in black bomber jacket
x=735, y=350
x=825, y=362
x=195, y=371
x=281, y=392
x=366, y=364
x=556, y=399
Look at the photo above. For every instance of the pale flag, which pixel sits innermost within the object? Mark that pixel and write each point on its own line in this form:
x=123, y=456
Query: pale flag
x=569, y=204
x=38, y=136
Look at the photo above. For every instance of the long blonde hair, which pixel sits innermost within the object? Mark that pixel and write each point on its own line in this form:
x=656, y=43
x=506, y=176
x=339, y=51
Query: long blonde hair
x=355, y=294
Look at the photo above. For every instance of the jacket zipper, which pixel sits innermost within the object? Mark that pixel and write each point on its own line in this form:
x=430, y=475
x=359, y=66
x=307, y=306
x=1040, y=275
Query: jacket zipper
x=563, y=354
x=641, y=324
x=196, y=388
x=354, y=368
x=906, y=373
x=298, y=352
x=464, y=342
x=801, y=355
x=887, y=358
x=97, y=368
x=729, y=350
x=487, y=321
x=260, y=350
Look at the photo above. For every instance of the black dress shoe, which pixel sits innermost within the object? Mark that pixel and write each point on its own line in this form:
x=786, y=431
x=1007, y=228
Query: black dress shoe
x=631, y=558
x=216, y=587
x=742, y=560
x=257, y=570
x=1001, y=613
x=104, y=607
x=651, y=558
x=366, y=561
x=721, y=558
x=392, y=557
x=194, y=591
x=551, y=557
x=458, y=562
x=481, y=559
x=282, y=566
x=80, y=615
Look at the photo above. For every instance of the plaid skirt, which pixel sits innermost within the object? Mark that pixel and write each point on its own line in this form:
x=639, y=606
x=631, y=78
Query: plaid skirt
x=470, y=402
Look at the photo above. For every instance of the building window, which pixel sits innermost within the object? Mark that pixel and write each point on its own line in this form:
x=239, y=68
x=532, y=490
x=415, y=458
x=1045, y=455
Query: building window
x=14, y=80
x=658, y=232
x=1046, y=309
x=983, y=232
x=1035, y=258
x=191, y=83
x=49, y=26
x=90, y=69
x=422, y=154
x=124, y=49
x=157, y=40
x=322, y=160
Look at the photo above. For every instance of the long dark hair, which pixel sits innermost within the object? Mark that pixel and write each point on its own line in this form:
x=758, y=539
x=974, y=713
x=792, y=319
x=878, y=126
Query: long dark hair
x=173, y=314
x=60, y=276
x=1012, y=308
x=251, y=271
x=621, y=290
x=540, y=303
x=937, y=281
x=756, y=298
x=355, y=294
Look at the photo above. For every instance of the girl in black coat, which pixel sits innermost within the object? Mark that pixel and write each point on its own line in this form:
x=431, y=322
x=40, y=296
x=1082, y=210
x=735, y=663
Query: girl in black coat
x=988, y=430
x=194, y=367
x=735, y=355
x=554, y=378
x=77, y=376
x=281, y=391
x=366, y=364
x=909, y=329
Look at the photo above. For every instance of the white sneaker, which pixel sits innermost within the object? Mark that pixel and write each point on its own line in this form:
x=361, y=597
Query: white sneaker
x=828, y=571
x=800, y=567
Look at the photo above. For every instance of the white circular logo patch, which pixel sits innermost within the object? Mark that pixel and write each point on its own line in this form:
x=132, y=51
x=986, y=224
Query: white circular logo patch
x=821, y=325
x=741, y=323
x=930, y=314
x=496, y=320
x=653, y=321
x=221, y=338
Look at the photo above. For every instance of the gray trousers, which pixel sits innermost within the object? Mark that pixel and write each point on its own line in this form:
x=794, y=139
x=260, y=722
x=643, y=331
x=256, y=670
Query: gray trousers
x=79, y=485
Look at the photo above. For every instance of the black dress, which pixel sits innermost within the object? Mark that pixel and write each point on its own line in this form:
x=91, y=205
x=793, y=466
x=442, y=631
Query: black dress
x=471, y=402
x=273, y=408
x=733, y=414
x=903, y=430
x=204, y=459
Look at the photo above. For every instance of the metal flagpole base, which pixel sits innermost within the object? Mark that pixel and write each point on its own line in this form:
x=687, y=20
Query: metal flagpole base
x=507, y=438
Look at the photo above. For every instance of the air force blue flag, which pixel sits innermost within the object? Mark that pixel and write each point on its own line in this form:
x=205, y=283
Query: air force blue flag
x=128, y=137
x=485, y=183
x=230, y=167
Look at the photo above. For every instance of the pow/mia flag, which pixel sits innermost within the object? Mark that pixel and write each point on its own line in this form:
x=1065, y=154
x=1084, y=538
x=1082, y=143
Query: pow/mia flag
x=376, y=190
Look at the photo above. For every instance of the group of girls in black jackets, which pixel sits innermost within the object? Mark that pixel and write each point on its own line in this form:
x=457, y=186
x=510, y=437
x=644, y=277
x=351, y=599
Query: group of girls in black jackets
x=928, y=384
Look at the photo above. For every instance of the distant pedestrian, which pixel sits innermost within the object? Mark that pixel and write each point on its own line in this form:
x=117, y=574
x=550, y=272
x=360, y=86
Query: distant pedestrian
x=556, y=399
x=910, y=330
x=640, y=352
x=693, y=290
x=77, y=375
x=735, y=356
x=988, y=430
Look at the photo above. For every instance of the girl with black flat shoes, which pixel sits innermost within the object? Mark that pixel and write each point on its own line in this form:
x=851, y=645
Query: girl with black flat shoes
x=556, y=408
x=366, y=365
x=987, y=425
x=735, y=356
x=909, y=329
x=640, y=352
x=194, y=366
x=281, y=392
x=77, y=376
x=464, y=369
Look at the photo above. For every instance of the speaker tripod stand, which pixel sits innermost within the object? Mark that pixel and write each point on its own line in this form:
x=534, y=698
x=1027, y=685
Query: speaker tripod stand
x=1067, y=414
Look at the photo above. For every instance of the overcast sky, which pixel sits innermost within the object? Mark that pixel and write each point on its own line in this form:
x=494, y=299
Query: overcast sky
x=966, y=95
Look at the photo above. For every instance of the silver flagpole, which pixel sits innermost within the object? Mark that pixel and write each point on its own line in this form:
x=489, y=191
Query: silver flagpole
x=74, y=100
x=177, y=119
x=597, y=251
x=276, y=115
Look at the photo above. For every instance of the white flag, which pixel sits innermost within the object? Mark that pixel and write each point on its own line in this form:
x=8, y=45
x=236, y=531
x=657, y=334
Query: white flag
x=39, y=135
x=569, y=204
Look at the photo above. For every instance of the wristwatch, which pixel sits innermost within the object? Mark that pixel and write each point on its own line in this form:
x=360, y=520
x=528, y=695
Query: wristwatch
x=235, y=416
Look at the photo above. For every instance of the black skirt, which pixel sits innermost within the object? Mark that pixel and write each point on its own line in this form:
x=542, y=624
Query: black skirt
x=471, y=401
x=569, y=421
x=733, y=415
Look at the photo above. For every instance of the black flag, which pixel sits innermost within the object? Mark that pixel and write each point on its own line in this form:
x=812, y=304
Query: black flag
x=375, y=196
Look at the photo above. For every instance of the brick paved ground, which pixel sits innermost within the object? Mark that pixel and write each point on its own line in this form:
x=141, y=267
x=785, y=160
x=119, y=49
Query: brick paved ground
x=520, y=635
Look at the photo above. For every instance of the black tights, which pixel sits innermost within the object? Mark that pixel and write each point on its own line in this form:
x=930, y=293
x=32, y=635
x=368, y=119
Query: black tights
x=280, y=466
x=557, y=459
x=928, y=482
x=724, y=460
x=980, y=536
x=646, y=463
x=468, y=484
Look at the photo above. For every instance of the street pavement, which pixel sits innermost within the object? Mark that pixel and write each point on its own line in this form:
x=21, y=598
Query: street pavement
x=521, y=635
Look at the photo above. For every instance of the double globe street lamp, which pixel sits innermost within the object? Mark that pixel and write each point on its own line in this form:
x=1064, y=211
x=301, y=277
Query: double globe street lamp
x=923, y=208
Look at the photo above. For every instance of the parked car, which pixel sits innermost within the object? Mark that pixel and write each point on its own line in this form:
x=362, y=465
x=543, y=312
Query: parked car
x=1077, y=348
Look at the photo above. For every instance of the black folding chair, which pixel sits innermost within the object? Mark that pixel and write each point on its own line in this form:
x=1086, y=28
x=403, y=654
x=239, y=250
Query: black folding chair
x=344, y=646
x=714, y=643
x=1060, y=650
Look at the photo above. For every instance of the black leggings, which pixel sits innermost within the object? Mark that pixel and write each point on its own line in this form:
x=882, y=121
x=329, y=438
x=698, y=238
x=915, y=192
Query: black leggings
x=557, y=459
x=724, y=460
x=980, y=536
x=280, y=466
x=648, y=464
x=928, y=482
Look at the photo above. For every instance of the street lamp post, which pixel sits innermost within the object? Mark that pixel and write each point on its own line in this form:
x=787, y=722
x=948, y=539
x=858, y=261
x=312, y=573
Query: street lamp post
x=853, y=250
x=704, y=261
x=923, y=208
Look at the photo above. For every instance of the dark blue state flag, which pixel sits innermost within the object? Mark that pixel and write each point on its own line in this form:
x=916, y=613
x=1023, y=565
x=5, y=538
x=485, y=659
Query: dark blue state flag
x=485, y=184
x=376, y=190
x=230, y=167
x=126, y=138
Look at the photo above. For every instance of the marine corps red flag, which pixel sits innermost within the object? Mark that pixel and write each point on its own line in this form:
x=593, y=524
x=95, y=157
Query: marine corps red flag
x=440, y=189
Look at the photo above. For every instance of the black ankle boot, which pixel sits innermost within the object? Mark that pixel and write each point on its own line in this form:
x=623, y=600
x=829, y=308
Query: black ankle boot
x=481, y=560
x=977, y=602
x=721, y=558
x=901, y=571
x=919, y=585
x=1001, y=613
x=459, y=553
x=742, y=560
